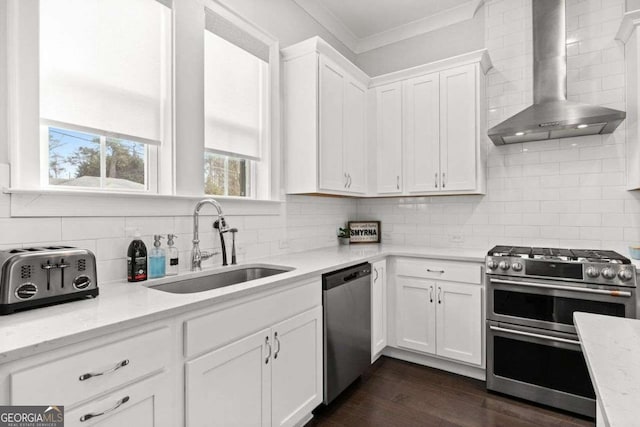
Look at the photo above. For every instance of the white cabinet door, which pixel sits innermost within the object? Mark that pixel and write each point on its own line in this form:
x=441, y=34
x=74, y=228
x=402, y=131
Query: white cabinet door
x=416, y=315
x=389, y=139
x=331, y=129
x=459, y=330
x=354, y=136
x=231, y=386
x=422, y=134
x=458, y=135
x=145, y=403
x=297, y=368
x=378, y=309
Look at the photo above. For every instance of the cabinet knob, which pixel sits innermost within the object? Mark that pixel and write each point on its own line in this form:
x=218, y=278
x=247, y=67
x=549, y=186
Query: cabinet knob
x=444, y=182
x=439, y=295
x=398, y=182
x=436, y=179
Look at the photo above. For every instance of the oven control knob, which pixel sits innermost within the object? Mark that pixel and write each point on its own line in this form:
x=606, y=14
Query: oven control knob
x=608, y=273
x=625, y=275
x=504, y=265
x=492, y=265
x=593, y=272
x=516, y=266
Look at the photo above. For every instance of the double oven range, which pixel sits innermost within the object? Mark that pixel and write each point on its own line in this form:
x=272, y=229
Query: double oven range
x=533, y=351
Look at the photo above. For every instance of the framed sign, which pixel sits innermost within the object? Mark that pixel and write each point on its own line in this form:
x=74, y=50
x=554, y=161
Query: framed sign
x=364, y=231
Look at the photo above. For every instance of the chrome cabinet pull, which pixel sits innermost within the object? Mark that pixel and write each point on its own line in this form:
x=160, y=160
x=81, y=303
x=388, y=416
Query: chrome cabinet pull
x=375, y=270
x=266, y=342
x=346, y=180
x=118, y=404
x=349, y=180
x=436, y=179
x=430, y=293
x=532, y=335
x=275, y=337
x=398, y=182
x=435, y=271
x=439, y=295
x=88, y=375
x=444, y=182
x=612, y=293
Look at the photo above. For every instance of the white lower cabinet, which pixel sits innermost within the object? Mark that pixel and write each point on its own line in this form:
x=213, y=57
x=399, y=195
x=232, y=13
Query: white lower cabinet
x=143, y=404
x=296, y=371
x=459, y=322
x=439, y=317
x=270, y=378
x=228, y=387
x=378, y=309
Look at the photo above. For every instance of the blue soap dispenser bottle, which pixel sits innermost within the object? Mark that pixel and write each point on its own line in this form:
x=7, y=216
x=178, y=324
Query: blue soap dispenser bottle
x=157, y=259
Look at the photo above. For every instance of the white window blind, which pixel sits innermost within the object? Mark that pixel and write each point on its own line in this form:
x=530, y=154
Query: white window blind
x=105, y=66
x=235, y=89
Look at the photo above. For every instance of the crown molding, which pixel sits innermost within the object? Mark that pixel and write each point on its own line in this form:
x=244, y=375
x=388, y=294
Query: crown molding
x=425, y=25
x=412, y=29
x=329, y=21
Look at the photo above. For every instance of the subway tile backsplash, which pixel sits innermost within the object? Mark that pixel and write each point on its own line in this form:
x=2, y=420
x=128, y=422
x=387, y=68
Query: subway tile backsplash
x=568, y=192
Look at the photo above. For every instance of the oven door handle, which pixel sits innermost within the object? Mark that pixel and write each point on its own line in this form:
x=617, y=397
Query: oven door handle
x=532, y=335
x=613, y=293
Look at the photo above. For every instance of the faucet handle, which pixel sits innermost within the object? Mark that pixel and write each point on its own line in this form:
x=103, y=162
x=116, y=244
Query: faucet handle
x=221, y=225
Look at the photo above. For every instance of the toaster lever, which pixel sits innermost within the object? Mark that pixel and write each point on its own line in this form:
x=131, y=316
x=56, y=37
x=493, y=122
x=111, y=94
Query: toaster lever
x=48, y=266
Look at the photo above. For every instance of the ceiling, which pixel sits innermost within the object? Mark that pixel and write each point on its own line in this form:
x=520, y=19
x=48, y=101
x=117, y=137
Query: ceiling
x=364, y=25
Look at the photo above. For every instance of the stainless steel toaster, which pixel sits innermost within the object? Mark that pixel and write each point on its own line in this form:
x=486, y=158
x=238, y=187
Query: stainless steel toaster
x=39, y=276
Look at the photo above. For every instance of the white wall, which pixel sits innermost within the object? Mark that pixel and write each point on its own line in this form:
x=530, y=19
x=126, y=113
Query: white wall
x=568, y=192
x=442, y=43
x=4, y=158
x=303, y=222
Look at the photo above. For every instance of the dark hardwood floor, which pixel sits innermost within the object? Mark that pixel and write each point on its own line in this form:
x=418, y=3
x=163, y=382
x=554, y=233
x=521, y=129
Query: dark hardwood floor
x=396, y=393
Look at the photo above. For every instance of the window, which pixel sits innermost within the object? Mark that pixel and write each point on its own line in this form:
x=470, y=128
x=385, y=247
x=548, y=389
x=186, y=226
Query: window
x=80, y=159
x=227, y=176
x=236, y=106
x=128, y=95
x=104, y=92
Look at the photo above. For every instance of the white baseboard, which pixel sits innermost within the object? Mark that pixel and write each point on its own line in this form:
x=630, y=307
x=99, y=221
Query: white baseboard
x=435, y=362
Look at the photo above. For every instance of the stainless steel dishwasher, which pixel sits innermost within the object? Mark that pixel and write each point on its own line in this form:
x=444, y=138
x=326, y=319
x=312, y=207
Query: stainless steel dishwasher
x=346, y=300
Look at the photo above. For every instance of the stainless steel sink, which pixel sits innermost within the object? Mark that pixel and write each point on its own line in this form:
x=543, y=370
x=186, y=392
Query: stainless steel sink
x=221, y=279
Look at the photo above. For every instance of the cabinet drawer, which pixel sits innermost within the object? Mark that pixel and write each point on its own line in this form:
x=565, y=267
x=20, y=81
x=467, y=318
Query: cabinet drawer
x=216, y=329
x=452, y=271
x=143, y=403
x=83, y=375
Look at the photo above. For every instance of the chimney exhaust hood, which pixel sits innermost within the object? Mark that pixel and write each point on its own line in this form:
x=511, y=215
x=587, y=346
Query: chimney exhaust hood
x=552, y=116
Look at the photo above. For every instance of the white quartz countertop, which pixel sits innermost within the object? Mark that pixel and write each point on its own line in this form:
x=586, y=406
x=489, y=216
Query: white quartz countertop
x=611, y=346
x=121, y=305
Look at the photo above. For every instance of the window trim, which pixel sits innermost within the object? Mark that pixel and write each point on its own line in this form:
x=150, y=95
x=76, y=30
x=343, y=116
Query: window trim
x=177, y=180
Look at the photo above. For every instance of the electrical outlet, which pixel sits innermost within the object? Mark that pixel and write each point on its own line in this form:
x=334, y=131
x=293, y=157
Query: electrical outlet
x=456, y=238
x=283, y=244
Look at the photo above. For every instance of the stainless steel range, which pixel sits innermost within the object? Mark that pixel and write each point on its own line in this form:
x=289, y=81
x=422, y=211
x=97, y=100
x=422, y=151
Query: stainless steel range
x=533, y=351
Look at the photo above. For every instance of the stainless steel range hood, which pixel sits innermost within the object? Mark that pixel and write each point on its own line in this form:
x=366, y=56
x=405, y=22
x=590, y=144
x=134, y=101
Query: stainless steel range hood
x=552, y=116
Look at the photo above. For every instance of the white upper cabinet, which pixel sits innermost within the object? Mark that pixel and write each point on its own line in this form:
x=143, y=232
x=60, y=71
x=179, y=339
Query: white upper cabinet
x=426, y=130
x=442, y=120
x=422, y=133
x=459, y=136
x=325, y=121
x=389, y=143
x=331, y=120
x=355, y=149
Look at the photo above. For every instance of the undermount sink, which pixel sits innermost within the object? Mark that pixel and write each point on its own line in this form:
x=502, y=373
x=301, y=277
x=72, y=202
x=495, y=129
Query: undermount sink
x=221, y=279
